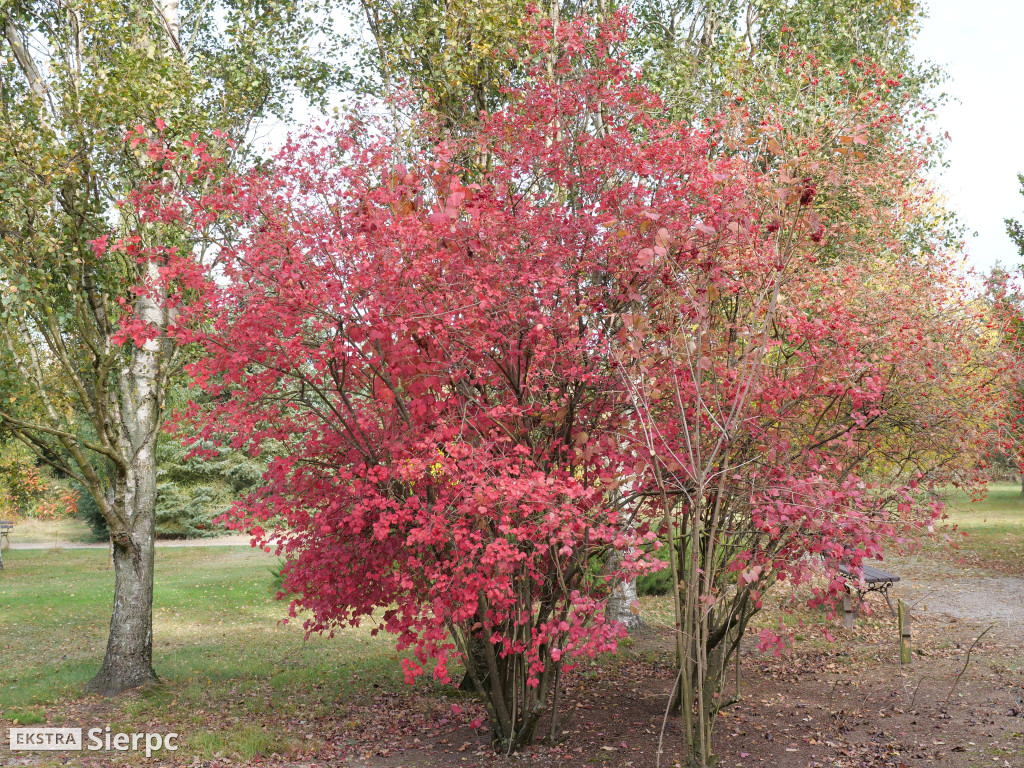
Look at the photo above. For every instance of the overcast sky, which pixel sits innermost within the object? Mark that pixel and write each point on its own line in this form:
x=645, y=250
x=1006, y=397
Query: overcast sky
x=979, y=44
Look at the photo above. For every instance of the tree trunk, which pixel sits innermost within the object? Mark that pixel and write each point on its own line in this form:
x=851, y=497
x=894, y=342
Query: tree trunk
x=477, y=659
x=128, y=662
x=620, y=606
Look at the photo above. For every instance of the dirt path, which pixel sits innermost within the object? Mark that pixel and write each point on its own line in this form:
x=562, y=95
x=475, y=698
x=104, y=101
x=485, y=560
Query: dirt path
x=964, y=592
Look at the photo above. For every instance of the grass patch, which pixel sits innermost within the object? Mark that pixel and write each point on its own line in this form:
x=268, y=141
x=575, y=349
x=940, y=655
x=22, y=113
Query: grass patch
x=247, y=742
x=994, y=526
x=27, y=716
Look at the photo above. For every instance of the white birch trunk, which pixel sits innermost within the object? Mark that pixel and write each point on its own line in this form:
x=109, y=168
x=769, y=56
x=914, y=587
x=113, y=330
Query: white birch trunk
x=128, y=662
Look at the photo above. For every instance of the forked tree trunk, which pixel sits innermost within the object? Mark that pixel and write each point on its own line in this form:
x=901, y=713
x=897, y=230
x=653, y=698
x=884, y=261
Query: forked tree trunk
x=124, y=402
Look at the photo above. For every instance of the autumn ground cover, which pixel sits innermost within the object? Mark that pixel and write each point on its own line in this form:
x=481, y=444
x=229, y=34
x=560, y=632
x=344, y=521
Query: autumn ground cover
x=242, y=689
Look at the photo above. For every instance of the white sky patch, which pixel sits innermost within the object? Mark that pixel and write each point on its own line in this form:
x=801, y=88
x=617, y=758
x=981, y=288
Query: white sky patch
x=979, y=45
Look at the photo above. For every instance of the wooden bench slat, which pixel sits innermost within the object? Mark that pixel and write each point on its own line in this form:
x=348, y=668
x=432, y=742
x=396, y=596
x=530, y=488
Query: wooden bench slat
x=872, y=575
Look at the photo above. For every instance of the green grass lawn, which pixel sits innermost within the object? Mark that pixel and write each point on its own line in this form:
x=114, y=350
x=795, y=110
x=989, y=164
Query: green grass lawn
x=68, y=530
x=219, y=647
x=994, y=526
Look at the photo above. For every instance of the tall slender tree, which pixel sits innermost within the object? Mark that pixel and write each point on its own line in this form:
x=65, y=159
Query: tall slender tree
x=78, y=78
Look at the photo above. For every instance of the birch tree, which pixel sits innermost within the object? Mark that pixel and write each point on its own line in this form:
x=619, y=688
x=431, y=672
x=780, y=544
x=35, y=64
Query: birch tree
x=76, y=78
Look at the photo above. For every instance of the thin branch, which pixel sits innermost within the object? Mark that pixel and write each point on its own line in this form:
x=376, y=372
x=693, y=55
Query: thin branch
x=967, y=661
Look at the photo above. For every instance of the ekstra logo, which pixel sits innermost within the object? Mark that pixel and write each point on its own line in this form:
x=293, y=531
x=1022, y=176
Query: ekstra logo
x=46, y=739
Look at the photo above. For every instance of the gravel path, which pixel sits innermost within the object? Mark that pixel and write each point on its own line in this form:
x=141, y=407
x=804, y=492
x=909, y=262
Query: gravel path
x=966, y=593
x=997, y=599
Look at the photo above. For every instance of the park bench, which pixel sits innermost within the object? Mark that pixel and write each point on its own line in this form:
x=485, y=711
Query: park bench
x=876, y=580
x=6, y=526
x=871, y=580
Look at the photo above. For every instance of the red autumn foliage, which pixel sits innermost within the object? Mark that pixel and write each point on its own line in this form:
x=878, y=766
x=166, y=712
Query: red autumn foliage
x=427, y=354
